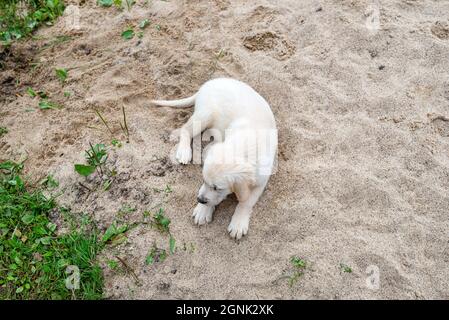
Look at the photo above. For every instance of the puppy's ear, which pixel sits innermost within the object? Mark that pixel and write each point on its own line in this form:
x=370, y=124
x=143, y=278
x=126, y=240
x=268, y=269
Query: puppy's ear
x=243, y=178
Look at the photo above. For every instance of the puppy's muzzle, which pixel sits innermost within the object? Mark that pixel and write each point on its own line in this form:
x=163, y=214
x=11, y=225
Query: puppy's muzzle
x=201, y=200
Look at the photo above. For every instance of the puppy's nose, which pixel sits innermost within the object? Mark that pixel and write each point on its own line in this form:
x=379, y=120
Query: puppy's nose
x=201, y=200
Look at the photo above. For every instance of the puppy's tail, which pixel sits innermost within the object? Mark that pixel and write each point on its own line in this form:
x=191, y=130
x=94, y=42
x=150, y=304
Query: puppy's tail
x=181, y=103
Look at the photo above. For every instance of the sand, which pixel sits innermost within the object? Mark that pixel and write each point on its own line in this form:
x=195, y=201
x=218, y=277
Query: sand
x=362, y=111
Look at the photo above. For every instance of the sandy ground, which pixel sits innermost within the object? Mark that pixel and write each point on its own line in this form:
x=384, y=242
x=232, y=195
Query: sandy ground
x=363, y=171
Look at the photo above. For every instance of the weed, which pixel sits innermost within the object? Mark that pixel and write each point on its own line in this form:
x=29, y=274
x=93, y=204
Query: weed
x=299, y=266
x=128, y=34
x=115, y=234
x=61, y=74
x=345, y=268
x=116, y=143
x=19, y=18
x=33, y=258
x=144, y=23
x=49, y=182
x=118, y=4
x=3, y=131
x=155, y=255
x=44, y=104
x=112, y=264
x=161, y=222
x=123, y=127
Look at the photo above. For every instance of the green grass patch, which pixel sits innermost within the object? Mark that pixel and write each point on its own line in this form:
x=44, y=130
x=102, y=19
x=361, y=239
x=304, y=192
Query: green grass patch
x=35, y=261
x=19, y=18
x=3, y=131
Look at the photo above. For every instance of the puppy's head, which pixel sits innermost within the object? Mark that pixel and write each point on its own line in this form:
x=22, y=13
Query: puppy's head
x=224, y=175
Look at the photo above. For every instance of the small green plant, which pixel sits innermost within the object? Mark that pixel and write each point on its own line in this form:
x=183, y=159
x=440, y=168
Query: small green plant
x=161, y=222
x=96, y=158
x=128, y=34
x=44, y=104
x=155, y=255
x=49, y=182
x=112, y=264
x=3, y=131
x=345, y=268
x=118, y=4
x=144, y=23
x=299, y=266
x=116, y=143
x=61, y=74
x=115, y=234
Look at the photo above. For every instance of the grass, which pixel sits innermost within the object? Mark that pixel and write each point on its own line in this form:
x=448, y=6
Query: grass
x=35, y=261
x=19, y=18
x=123, y=126
x=299, y=266
x=345, y=268
x=3, y=131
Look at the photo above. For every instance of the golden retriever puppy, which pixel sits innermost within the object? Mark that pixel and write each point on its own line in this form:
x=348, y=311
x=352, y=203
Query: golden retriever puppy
x=243, y=161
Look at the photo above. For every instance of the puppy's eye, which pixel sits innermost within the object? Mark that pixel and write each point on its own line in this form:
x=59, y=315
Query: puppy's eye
x=215, y=188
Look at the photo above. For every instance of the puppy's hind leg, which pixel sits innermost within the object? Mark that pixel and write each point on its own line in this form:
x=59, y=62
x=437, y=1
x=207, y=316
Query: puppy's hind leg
x=196, y=124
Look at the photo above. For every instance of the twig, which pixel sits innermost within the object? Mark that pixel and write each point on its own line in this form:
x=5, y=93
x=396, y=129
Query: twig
x=82, y=185
x=129, y=269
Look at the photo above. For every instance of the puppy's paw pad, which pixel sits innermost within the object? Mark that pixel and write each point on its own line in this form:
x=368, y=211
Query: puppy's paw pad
x=238, y=227
x=184, y=155
x=202, y=214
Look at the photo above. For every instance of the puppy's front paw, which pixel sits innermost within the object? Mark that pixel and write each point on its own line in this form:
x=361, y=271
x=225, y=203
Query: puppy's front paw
x=183, y=154
x=202, y=214
x=239, y=226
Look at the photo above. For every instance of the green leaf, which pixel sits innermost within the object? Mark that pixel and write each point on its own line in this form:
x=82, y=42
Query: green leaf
x=45, y=104
x=172, y=245
x=31, y=92
x=144, y=23
x=28, y=218
x=112, y=264
x=84, y=170
x=128, y=34
x=19, y=289
x=107, y=184
x=51, y=226
x=61, y=74
x=105, y=3
x=45, y=240
x=113, y=231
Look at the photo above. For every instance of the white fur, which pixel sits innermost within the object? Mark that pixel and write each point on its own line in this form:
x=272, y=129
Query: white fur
x=237, y=112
